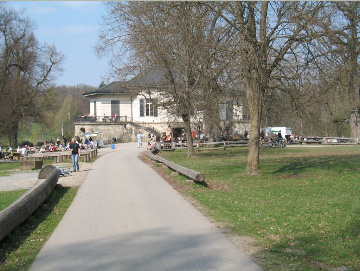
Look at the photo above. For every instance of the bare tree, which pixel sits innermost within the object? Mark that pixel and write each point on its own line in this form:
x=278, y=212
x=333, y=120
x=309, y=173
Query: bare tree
x=344, y=46
x=26, y=69
x=180, y=39
x=269, y=32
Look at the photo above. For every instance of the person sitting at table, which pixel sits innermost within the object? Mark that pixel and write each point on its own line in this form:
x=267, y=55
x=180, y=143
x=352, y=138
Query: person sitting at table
x=24, y=151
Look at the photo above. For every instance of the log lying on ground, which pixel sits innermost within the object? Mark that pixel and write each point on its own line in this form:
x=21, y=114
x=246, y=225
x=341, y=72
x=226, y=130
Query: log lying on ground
x=22, y=208
x=192, y=174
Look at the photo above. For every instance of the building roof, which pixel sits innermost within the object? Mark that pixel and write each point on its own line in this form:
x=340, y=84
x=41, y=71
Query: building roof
x=152, y=79
x=115, y=87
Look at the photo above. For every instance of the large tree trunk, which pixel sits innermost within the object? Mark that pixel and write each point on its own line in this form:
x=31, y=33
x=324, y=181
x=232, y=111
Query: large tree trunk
x=353, y=89
x=253, y=91
x=212, y=120
x=186, y=119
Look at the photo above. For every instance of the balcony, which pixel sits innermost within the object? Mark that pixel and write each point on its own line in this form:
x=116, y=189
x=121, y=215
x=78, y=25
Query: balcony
x=102, y=119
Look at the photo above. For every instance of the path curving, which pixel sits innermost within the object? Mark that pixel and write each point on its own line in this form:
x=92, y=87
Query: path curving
x=126, y=217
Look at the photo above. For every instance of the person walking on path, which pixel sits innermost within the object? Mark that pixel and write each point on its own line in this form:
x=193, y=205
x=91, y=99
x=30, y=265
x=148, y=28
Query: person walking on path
x=139, y=137
x=75, y=153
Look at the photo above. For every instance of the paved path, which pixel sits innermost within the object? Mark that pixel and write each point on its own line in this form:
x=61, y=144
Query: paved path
x=126, y=217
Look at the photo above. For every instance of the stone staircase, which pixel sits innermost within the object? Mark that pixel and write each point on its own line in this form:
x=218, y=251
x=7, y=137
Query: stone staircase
x=146, y=127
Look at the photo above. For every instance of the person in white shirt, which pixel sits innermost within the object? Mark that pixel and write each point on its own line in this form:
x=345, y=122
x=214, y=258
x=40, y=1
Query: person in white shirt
x=24, y=150
x=139, y=137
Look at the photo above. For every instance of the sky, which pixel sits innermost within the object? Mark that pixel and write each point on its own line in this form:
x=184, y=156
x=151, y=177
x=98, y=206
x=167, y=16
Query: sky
x=72, y=26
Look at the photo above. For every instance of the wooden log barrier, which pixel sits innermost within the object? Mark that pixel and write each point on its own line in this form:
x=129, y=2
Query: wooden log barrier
x=192, y=174
x=23, y=207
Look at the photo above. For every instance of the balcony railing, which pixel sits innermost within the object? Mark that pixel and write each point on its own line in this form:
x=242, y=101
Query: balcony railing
x=108, y=119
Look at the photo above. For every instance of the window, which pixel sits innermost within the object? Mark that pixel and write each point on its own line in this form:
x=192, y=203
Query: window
x=148, y=108
x=115, y=107
x=95, y=108
x=226, y=110
x=229, y=110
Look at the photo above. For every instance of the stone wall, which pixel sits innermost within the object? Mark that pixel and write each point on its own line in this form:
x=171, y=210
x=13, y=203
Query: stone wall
x=121, y=131
x=126, y=132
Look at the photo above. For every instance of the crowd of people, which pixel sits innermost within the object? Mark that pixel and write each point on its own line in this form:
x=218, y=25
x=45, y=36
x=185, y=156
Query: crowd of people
x=61, y=144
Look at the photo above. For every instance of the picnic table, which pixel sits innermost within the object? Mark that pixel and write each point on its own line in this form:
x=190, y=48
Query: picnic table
x=59, y=156
x=11, y=155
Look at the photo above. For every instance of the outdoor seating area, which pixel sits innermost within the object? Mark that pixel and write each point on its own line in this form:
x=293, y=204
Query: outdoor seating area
x=58, y=149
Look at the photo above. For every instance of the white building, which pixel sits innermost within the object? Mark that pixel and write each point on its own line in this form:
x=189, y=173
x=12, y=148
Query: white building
x=120, y=109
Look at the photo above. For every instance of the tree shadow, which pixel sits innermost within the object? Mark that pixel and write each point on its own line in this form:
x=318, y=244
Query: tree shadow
x=298, y=165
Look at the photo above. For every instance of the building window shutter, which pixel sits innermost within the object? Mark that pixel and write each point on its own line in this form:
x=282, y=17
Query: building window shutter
x=155, y=108
x=115, y=107
x=142, y=104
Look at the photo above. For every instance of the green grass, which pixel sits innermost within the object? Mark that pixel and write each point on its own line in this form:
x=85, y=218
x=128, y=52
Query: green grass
x=19, y=249
x=34, y=134
x=7, y=169
x=303, y=210
x=8, y=197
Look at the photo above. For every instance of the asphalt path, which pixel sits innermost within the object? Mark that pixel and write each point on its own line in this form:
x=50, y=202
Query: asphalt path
x=126, y=217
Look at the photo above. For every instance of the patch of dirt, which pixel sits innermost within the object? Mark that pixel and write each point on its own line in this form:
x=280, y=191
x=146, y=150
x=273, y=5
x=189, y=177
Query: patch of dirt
x=218, y=185
x=245, y=243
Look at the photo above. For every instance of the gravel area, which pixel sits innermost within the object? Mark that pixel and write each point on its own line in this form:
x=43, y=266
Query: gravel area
x=26, y=179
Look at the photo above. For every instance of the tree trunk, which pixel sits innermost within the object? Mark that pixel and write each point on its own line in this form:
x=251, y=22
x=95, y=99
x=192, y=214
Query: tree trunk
x=212, y=121
x=186, y=119
x=13, y=134
x=353, y=87
x=254, y=99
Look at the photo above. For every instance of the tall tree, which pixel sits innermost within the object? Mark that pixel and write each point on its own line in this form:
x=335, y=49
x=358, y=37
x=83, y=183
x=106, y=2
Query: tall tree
x=344, y=42
x=269, y=33
x=26, y=69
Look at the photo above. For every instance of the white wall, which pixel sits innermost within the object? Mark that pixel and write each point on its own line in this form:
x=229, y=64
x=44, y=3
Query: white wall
x=131, y=108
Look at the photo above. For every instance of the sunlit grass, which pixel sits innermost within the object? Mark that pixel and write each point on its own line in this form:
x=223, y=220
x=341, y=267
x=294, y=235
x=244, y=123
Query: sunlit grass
x=303, y=210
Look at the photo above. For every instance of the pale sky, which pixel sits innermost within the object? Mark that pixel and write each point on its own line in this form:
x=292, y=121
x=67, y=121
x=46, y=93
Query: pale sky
x=73, y=27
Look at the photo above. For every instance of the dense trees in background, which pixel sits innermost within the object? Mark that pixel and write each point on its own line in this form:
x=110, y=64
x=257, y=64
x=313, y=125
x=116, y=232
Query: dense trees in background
x=60, y=106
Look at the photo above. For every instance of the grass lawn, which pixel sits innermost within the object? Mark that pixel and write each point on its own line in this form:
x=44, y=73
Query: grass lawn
x=8, y=197
x=303, y=211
